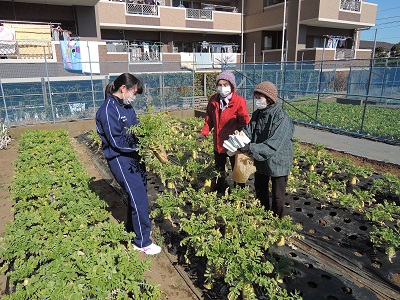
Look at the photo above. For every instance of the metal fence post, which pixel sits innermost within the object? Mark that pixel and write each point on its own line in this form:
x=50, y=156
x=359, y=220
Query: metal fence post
x=284, y=83
x=91, y=80
x=384, y=79
x=319, y=81
x=349, y=80
x=44, y=91
x=5, y=104
x=367, y=94
x=204, y=84
x=394, y=76
x=48, y=83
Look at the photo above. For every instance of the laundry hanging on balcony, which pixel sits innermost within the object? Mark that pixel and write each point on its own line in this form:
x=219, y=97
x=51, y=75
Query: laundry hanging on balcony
x=71, y=55
x=58, y=34
x=90, y=57
x=337, y=41
x=7, y=40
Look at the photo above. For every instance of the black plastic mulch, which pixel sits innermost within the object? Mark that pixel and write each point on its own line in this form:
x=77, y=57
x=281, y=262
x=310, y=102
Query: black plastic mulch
x=335, y=260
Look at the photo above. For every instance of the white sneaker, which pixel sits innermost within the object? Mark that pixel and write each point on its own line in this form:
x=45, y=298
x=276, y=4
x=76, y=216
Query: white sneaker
x=151, y=249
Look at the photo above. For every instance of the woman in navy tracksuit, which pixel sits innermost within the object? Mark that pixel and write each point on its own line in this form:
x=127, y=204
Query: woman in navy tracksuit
x=113, y=118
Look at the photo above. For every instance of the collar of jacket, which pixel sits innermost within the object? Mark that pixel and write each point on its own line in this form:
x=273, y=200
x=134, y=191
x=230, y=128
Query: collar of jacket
x=268, y=108
x=119, y=101
x=215, y=98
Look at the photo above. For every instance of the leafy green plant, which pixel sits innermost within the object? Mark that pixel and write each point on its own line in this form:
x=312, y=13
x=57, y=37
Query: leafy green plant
x=312, y=160
x=349, y=200
x=336, y=187
x=330, y=169
x=382, y=212
x=381, y=122
x=364, y=196
x=389, y=184
x=387, y=237
x=234, y=236
x=356, y=171
x=62, y=243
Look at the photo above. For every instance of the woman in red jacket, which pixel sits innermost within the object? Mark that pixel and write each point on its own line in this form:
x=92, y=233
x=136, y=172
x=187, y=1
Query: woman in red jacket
x=226, y=112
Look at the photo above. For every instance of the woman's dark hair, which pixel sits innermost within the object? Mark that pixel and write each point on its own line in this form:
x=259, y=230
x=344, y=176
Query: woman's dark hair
x=124, y=79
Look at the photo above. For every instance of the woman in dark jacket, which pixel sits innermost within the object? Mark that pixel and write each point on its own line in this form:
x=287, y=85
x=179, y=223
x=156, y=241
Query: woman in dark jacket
x=271, y=145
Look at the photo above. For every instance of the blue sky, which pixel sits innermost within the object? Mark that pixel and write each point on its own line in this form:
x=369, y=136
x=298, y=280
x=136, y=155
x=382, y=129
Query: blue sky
x=387, y=22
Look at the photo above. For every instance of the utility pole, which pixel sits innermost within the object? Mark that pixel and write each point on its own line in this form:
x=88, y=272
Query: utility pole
x=283, y=32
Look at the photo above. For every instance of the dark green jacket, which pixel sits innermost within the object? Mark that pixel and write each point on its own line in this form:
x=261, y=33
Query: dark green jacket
x=271, y=140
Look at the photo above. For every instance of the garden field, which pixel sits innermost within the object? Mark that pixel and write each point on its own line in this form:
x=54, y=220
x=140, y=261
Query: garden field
x=379, y=122
x=341, y=229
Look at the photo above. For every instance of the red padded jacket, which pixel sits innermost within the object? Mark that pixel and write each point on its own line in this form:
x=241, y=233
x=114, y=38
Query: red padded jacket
x=234, y=117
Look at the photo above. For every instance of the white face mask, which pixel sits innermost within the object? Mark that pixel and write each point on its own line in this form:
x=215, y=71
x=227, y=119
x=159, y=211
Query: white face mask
x=129, y=100
x=224, y=90
x=261, y=103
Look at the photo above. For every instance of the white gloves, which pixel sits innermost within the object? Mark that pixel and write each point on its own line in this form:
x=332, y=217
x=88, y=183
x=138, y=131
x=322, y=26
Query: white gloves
x=235, y=141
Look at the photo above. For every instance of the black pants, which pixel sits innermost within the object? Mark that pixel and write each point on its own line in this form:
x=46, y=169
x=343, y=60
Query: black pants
x=220, y=162
x=261, y=183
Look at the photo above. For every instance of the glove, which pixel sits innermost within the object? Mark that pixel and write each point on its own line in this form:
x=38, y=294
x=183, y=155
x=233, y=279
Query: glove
x=200, y=138
x=245, y=148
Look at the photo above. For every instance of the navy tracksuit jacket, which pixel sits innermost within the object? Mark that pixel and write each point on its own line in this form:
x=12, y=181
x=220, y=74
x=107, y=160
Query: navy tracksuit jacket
x=120, y=150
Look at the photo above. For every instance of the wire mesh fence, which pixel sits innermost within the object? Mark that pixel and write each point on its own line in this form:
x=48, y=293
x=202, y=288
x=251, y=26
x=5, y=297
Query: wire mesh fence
x=357, y=97
x=360, y=98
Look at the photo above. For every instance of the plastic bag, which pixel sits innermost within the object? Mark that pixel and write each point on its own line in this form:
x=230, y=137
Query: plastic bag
x=244, y=167
x=235, y=141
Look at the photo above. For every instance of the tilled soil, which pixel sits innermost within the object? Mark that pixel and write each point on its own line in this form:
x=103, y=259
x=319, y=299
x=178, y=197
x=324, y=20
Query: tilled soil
x=335, y=260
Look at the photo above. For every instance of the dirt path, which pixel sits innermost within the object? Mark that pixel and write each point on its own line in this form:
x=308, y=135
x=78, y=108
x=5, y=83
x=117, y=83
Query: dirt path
x=7, y=157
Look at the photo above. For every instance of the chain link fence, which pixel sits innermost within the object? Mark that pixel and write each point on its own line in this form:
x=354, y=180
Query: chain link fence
x=356, y=97
x=351, y=96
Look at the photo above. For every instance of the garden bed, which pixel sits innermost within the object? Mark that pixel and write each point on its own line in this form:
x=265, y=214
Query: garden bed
x=335, y=260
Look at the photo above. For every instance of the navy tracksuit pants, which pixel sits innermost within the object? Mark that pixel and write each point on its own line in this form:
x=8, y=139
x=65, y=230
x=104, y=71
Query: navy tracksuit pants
x=130, y=173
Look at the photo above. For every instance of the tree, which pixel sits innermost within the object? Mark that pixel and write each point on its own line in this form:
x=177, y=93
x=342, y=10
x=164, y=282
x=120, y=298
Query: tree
x=395, y=50
x=380, y=52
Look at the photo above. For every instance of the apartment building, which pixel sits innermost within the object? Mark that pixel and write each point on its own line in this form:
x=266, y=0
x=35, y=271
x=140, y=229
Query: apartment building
x=296, y=30
x=172, y=30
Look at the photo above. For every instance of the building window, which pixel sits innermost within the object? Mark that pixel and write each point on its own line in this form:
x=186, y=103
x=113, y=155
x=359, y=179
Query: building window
x=315, y=42
x=272, y=2
x=272, y=40
x=318, y=42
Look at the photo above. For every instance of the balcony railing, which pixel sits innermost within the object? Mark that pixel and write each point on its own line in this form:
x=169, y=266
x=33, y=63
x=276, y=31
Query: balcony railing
x=344, y=54
x=201, y=14
x=144, y=52
x=142, y=9
x=26, y=49
x=352, y=5
x=117, y=46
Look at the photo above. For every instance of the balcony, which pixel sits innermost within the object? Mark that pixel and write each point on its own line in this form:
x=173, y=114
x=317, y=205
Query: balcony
x=345, y=14
x=329, y=54
x=26, y=49
x=141, y=9
x=131, y=16
x=200, y=14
